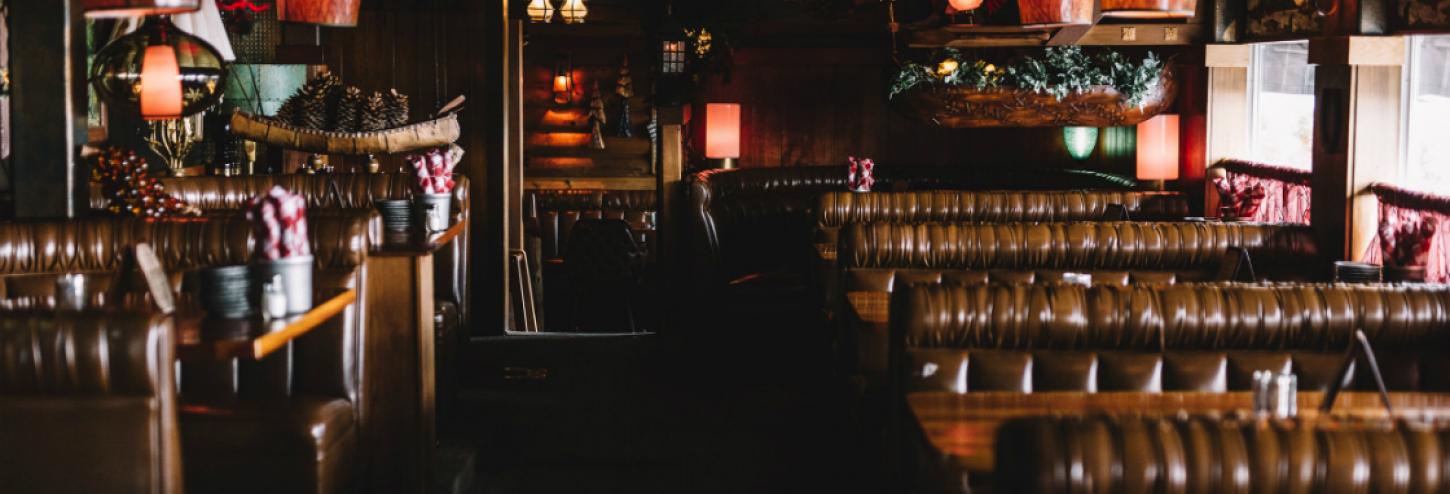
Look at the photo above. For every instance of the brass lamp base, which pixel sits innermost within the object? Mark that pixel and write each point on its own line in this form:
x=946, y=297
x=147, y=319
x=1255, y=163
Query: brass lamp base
x=722, y=163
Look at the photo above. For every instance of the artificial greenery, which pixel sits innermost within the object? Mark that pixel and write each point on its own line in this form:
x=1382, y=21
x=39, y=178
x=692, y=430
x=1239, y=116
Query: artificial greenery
x=1060, y=71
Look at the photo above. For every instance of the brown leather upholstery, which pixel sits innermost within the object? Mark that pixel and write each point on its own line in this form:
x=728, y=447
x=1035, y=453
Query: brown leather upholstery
x=88, y=404
x=308, y=398
x=357, y=191
x=1103, y=454
x=760, y=220
x=839, y=208
x=967, y=371
x=1173, y=317
x=551, y=214
x=884, y=279
x=1187, y=250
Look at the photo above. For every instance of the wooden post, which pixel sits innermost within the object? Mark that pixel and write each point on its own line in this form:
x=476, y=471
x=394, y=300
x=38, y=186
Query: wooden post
x=1356, y=137
x=669, y=184
x=489, y=291
x=1228, y=110
x=399, y=435
x=48, y=109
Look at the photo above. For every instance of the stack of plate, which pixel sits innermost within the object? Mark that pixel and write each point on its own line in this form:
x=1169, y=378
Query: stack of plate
x=1356, y=272
x=226, y=292
x=397, y=214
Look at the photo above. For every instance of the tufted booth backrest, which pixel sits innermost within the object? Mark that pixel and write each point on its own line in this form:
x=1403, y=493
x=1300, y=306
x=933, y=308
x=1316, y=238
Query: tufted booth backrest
x=88, y=404
x=551, y=214
x=839, y=208
x=227, y=195
x=1172, y=317
x=1104, y=454
x=755, y=219
x=1189, y=250
x=971, y=371
x=325, y=363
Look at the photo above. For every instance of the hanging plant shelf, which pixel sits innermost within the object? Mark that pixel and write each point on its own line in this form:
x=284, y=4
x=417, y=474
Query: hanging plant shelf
x=960, y=106
x=437, y=132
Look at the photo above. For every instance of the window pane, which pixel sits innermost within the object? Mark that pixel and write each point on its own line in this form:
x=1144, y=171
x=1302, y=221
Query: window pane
x=1427, y=145
x=1283, y=99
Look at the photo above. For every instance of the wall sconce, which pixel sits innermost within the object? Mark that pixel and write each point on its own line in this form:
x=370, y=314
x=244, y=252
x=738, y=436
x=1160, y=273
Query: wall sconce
x=722, y=133
x=573, y=11
x=138, y=8
x=159, y=71
x=1080, y=141
x=1158, y=149
x=540, y=11
x=563, y=82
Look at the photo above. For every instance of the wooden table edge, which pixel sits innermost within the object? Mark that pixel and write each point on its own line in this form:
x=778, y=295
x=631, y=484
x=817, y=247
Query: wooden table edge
x=433, y=243
x=266, y=344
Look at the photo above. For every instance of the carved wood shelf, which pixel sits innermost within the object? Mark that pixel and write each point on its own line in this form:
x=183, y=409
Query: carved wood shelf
x=1101, y=34
x=958, y=107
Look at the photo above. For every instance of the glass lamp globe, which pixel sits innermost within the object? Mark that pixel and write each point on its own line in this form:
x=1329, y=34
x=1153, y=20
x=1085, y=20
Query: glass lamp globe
x=159, y=71
x=965, y=5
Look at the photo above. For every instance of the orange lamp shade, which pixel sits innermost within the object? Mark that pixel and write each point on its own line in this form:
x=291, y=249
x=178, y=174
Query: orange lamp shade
x=1158, y=148
x=336, y=13
x=722, y=130
x=965, y=5
x=561, y=83
x=160, y=84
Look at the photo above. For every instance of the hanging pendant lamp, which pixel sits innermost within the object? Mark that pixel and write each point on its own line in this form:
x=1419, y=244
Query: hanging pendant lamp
x=160, y=72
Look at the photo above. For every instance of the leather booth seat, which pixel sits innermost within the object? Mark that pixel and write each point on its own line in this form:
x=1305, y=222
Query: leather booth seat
x=755, y=224
x=1309, y=324
x=884, y=279
x=550, y=215
x=872, y=254
x=224, y=195
x=1103, y=454
x=839, y=208
x=88, y=404
x=285, y=424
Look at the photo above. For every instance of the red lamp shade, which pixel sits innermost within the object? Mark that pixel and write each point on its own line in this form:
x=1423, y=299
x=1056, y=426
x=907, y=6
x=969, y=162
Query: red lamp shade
x=336, y=13
x=137, y=8
x=722, y=130
x=1158, y=148
x=965, y=5
x=160, y=85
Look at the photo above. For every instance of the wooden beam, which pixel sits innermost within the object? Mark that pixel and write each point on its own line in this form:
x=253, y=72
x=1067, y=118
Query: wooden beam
x=48, y=110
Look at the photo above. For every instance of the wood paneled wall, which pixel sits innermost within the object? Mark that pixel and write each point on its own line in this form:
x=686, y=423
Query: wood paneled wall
x=434, y=50
x=819, y=105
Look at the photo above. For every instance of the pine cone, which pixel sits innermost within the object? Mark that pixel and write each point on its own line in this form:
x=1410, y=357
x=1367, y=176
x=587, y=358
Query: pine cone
x=397, y=108
x=289, y=110
x=374, y=113
x=349, y=111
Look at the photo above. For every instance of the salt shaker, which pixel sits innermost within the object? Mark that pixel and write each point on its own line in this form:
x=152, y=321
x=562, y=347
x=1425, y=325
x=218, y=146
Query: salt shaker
x=70, y=292
x=274, y=300
x=1286, y=395
x=1262, y=382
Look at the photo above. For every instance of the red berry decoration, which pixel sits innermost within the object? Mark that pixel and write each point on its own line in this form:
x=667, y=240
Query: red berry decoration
x=131, y=192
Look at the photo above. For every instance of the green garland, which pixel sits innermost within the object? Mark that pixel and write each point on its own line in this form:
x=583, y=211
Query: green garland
x=1062, y=70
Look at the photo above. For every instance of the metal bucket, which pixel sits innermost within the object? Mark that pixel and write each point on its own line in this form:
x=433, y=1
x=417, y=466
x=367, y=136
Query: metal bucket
x=435, y=209
x=296, y=275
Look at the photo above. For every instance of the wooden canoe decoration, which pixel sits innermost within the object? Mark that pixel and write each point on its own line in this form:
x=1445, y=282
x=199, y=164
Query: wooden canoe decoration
x=959, y=107
x=440, y=131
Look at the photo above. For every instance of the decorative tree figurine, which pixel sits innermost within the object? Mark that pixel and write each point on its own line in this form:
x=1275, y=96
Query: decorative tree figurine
x=597, y=119
x=624, y=87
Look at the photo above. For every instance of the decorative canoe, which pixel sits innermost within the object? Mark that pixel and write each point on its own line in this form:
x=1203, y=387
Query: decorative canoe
x=958, y=107
x=440, y=131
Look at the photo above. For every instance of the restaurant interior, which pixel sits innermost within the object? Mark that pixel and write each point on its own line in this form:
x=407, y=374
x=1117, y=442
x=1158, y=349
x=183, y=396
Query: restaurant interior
x=626, y=246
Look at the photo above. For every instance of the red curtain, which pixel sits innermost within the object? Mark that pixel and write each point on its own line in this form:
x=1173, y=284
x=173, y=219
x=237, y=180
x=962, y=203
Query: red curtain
x=1285, y=191
x=1403, y=207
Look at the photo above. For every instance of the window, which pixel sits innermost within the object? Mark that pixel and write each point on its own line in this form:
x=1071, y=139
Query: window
x=1426, y=151
x=1281, y=93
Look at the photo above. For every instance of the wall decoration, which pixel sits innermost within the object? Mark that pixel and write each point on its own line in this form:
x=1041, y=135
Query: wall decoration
x=240, y=16
x=1424, y=14
x=130, y=191
x=597, y=118
x=1273, y=19
x=624, y=88
x=1064, y=87
x=325, y=103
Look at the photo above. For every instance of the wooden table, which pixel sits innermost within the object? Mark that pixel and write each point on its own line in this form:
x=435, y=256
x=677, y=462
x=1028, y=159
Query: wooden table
x=960, y=429
x=203, y=340
x=826, y=252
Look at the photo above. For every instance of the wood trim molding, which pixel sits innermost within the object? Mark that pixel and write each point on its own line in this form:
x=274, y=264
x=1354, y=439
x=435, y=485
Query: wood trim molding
x=1358, y=50
x=1227, y=56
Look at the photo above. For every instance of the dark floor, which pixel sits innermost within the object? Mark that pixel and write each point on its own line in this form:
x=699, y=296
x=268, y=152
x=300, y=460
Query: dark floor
x=751, y=405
